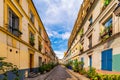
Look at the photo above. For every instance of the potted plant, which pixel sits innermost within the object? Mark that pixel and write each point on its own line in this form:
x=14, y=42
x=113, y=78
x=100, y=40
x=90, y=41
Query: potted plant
x=106, y=2
x=81, y=32
x=40, y=47
x=32, y=39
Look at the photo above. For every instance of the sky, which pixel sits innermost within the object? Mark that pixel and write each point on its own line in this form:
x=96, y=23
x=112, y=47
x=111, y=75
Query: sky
x=58, y=17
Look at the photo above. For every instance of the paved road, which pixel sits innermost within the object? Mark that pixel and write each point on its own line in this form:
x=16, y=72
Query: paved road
x=61, y=73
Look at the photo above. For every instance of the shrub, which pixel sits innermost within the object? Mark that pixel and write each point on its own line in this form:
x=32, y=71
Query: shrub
x=6, y=67
x=46, y=67
x=82, y=71
x=91, y=73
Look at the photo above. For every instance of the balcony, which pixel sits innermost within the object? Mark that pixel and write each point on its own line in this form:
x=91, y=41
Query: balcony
x=117, y=10
x=106, y=3
x=106, y=33
x=15, y=31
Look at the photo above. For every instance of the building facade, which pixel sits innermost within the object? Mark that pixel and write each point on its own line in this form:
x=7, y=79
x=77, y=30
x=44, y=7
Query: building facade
x=23, y=38
x=95, y=38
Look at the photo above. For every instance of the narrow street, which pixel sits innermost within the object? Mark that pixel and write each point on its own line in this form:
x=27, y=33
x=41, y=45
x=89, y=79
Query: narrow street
x=60, y=73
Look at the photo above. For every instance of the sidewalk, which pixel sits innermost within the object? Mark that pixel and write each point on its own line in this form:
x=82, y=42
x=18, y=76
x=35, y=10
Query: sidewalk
x=77, y=75
x=42, y=76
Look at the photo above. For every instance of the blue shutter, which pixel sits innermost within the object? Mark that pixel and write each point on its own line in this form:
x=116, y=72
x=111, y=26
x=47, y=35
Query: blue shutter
x=107, y=60
x=90, y=59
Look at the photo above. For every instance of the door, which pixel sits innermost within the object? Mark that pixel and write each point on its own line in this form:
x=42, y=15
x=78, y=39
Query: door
x=90, y=60
x=31, y=62
x=40, y=61
x=82, y=60
x=107, y=60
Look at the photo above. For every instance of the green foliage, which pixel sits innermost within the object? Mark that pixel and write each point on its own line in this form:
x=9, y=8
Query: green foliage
x=46, y=67
x=82, y=71
x=107, y=77
x=76, y=65
x=81, y=32
x=91, y=73
x=6, y=66
x=32, y=39
x=106, y=2
x=69, y=64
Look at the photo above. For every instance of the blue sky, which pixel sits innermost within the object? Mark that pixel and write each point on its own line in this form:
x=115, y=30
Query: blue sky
x=58, y=17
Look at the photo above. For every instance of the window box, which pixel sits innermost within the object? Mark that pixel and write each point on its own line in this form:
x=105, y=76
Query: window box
x=106, y=31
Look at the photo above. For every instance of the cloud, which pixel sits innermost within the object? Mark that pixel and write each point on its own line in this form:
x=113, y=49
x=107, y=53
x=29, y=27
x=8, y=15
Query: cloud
x=58, y=17
x=58, y=12
x=60, y=54
x=63, y=36
x=66, y=35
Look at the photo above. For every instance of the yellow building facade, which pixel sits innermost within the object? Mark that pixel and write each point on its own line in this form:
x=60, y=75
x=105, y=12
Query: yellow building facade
x=23, y=38
x=96, y=34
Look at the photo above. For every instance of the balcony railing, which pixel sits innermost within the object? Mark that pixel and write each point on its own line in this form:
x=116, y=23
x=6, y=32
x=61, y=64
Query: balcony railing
x=107, y=31
x=15, y=31
x=117, y=10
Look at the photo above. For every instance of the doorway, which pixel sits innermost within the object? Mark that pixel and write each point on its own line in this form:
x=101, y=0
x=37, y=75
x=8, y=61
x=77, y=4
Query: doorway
x=40, y=61
x=31, y=62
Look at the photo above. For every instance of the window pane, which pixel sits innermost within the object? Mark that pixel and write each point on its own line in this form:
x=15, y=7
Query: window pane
x=108, y=23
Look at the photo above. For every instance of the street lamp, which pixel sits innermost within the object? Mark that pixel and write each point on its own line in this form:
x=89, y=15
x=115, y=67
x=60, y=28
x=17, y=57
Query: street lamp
x=117, y=10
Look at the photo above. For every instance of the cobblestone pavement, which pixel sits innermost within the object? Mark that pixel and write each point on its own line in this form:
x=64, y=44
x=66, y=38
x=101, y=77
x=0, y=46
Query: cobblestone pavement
x=60, y=73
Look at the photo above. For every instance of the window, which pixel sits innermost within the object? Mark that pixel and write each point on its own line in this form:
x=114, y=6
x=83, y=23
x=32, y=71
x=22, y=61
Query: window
x=13, y=24
x=39, y=30
x=31, y=17
x=82, y=60
x=40, y=46
x=90, y=60
x=90, y=42
x=91, y=21
x=81, y=47
x=108, y=23
x=31, y=39
x=107, y=32
x=40, y=61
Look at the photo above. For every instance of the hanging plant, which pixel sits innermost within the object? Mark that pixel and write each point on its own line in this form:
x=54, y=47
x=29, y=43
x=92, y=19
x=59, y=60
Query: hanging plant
x=32, y=39
x=106, y=2
x=81, y=32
